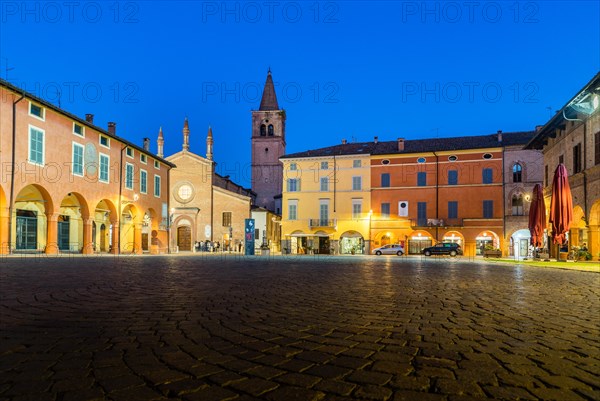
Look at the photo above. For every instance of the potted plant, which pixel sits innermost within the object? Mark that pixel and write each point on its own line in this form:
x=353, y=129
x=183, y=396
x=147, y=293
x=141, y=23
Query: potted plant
x=584, y=255
x=489, y=251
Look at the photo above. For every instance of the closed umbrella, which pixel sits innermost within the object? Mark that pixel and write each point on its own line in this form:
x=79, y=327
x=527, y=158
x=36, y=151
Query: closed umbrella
x=561, y=206
x=537, y=216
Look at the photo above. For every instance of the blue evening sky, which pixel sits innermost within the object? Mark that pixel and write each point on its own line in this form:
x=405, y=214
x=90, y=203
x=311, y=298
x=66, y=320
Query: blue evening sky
x=343, y=69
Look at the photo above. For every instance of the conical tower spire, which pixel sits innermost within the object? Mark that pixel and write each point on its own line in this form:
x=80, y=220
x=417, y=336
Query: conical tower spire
x=269, y=99
x=161, y=143
x=209, y=144
x=186, y=135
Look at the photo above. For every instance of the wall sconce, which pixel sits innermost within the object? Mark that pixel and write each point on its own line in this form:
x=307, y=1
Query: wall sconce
x=135, y=199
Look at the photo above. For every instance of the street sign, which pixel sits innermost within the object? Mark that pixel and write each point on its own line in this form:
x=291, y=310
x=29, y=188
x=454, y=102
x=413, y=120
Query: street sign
x=249, y=237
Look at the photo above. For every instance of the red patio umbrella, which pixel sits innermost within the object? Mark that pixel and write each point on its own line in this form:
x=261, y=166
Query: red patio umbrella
x=561, y=206
x=537, y=216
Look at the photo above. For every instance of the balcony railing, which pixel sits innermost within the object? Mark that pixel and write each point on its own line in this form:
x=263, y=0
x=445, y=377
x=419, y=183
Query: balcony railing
x=322, y=223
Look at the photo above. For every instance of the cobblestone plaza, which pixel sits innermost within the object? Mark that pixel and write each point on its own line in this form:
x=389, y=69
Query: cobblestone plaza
x=295, y=328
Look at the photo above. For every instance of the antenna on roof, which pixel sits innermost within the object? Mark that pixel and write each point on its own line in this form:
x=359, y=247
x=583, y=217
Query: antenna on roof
x=7, y=69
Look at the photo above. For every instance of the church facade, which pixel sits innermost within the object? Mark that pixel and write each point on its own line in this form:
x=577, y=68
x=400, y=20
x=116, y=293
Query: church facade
x=205, y=206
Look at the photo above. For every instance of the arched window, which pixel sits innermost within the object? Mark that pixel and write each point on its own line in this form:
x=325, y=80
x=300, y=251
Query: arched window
x=517, y=172
x=517, y=205
x=271, y=132
x=263, y=130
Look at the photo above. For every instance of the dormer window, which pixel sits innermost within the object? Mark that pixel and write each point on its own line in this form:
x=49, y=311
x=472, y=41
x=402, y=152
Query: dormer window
x=36, y=111
x=78, y=129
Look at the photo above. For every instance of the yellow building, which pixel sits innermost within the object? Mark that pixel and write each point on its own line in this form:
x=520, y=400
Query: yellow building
x=326, y=201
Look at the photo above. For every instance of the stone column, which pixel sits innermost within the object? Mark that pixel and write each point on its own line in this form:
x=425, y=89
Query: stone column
x=4, y=245
x=137, y=238
x=593, y=244
x=88, y=241
x=52, y=233
x=573, y=237
x=115, y=237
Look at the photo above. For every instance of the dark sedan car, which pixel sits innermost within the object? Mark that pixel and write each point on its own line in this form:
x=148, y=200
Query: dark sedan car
x=443, y=248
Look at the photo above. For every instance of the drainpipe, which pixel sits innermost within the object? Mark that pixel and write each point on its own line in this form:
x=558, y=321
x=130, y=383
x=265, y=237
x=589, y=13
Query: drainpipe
x=169, y=228
x=437, y=194
x=12, y=176
x=583, y=165
x=334, y=182
x=120, y=200
x=212, y=198
x=504, y=198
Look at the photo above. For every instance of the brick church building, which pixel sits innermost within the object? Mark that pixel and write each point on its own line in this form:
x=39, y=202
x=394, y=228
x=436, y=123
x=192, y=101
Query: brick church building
x=268, y=145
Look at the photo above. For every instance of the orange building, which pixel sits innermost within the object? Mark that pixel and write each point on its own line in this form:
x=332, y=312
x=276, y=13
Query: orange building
x=445, y=189
x=67, y=185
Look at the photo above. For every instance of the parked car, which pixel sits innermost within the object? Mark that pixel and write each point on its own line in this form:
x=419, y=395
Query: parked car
x=443, y=248
x=391, y=249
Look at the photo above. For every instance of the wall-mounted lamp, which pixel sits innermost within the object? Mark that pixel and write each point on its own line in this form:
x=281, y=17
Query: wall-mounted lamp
x=135, y=199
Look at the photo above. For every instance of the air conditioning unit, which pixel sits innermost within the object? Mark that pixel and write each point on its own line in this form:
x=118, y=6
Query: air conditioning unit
x=403, y=208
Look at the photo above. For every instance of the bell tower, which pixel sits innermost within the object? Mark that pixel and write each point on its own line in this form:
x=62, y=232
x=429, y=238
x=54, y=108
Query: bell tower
x=268, y=145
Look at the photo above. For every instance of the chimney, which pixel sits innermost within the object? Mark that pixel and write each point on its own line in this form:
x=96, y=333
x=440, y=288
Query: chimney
x=376, y=139
x=112, y=128
x=538, y=128
x=89, y=118
x=344, y=141
x=401, y=144
x=147, y=144
x=499, y=135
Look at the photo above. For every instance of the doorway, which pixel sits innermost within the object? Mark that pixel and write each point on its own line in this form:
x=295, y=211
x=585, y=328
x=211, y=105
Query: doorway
x=26, y=230
x=184, y=238
x=103, y=238
x=63, y=232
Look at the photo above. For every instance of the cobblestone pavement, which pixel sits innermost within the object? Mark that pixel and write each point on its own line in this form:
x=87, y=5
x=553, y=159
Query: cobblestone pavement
x=286, y=329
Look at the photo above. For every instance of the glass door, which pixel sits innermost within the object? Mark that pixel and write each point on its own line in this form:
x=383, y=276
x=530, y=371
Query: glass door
x=26, y=230
x=63, y=233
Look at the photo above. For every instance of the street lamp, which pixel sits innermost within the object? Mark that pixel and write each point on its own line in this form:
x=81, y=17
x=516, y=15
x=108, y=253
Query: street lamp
x=170, y=228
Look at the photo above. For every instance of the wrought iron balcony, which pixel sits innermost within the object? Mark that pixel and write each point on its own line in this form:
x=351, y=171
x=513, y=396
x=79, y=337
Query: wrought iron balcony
x=322, y=223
